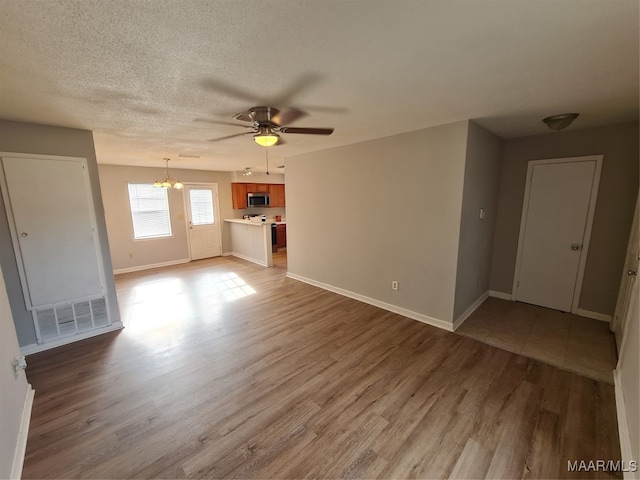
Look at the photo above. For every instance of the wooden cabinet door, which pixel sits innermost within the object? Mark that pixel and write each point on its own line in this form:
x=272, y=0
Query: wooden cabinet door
x=261, y=187
x=281, y=236
x=277, y=195
x=239, y=195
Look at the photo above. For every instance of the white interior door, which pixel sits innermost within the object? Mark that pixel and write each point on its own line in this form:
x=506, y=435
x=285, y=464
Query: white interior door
x=53, y=229
x=203, y=221
x=557, y=214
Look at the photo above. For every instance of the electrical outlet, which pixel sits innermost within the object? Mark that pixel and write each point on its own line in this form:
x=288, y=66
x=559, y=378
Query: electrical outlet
x=482, y=214
x=394, y=285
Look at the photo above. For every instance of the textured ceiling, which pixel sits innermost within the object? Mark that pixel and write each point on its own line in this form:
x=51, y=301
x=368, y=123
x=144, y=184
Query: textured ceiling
x=145, y=75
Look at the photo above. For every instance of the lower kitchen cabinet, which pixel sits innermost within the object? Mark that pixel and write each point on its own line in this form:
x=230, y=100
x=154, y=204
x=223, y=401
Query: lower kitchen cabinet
x=281, y=236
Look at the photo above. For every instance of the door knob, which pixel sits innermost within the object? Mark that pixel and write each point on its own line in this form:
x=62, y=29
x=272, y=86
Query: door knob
x=632, y=273
x=24, y=234
x=575, y=246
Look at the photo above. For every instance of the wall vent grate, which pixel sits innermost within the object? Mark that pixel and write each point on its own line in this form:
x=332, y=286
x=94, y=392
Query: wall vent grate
x=71, y=318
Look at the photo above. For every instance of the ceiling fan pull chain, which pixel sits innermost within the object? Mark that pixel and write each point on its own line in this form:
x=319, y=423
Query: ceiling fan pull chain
x=266, y=154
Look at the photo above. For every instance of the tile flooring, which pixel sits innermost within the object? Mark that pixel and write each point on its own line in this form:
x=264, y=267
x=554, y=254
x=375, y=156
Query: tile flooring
x=577, y=344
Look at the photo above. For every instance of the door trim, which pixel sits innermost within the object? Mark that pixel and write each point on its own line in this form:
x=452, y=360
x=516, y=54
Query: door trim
x=627, y=283
x=588, y=226
x=216, y=211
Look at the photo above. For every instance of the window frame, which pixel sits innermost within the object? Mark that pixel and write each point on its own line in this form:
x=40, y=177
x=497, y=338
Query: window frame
x=131, y=213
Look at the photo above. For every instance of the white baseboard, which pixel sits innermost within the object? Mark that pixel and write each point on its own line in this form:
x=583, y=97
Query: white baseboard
x=23, y=433
x=249, y=259
x=623, y=425
x=595, y=315
x=148, y=267
x=41, y=347
x=500, y=295
x=435, y=322
x=460, y=320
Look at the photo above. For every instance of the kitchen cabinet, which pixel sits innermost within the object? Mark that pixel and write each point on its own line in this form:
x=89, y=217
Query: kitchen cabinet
x=281, y=236
x=239, y=193
x=276, y=192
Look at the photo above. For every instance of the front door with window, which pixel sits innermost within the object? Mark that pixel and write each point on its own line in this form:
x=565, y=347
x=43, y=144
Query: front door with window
x=202, y=220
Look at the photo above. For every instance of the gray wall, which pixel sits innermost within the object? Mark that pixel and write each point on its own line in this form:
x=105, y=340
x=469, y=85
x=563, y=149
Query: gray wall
x=362, y=215
x=14, y=388
x=45, y=140
x=614, y=209
x=481, y=183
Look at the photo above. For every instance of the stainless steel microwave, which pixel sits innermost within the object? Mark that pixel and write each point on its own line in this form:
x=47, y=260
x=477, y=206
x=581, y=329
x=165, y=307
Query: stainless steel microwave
x=259, y=199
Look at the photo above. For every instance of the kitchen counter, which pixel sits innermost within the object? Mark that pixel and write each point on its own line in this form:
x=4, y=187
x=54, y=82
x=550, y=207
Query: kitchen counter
x=249, y=222
x=251, y=241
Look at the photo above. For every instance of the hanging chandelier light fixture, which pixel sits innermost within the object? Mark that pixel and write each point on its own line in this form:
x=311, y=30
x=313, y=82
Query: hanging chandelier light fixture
x=168, y=182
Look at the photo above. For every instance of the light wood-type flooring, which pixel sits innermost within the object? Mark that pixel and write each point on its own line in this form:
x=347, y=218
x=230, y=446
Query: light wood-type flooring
x=230, y=370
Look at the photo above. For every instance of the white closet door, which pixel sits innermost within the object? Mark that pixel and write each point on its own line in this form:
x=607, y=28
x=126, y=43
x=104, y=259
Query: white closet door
x=54, y=229
x=560, y=195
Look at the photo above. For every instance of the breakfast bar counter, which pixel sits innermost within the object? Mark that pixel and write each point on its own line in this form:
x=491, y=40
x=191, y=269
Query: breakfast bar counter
x=251, y=240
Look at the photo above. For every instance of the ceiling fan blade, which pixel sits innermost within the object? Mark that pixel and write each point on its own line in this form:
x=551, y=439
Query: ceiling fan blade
x=228, y=136
x=299, y=85
x=217, y=86
x=244, y=117
x=325, y=109
x=308, y=131
x=288, y=116
x=216, y=122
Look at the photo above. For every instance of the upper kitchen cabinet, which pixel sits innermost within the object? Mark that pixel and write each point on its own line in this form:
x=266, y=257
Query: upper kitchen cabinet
x=276, y=193
x=239, y=193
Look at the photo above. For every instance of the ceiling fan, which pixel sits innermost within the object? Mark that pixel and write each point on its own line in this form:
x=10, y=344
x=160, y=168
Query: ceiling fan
x=267, y=123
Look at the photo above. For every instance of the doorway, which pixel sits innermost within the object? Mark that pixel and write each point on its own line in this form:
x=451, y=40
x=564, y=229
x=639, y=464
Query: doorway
x=203, y=220
x=557, y=215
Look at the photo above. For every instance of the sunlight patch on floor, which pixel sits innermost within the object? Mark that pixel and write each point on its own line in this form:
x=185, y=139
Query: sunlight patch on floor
x=232, y=286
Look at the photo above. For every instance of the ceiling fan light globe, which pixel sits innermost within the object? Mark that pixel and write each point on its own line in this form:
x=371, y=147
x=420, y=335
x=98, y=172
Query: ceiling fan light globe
x=166, y=184
x=178, y=185
x=157, y=184
x=266, y=140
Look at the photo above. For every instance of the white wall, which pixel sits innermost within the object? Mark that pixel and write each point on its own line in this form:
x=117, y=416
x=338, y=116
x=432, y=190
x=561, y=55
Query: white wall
x=362, y=215
x=481, y=185
x=14, y=390
x=258, y=177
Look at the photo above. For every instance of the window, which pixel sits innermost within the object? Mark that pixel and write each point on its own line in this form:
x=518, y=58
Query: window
x=149, y=211
x=201, y=206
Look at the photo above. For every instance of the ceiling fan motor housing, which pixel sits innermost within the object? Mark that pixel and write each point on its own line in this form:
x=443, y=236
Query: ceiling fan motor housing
x=259, y=116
